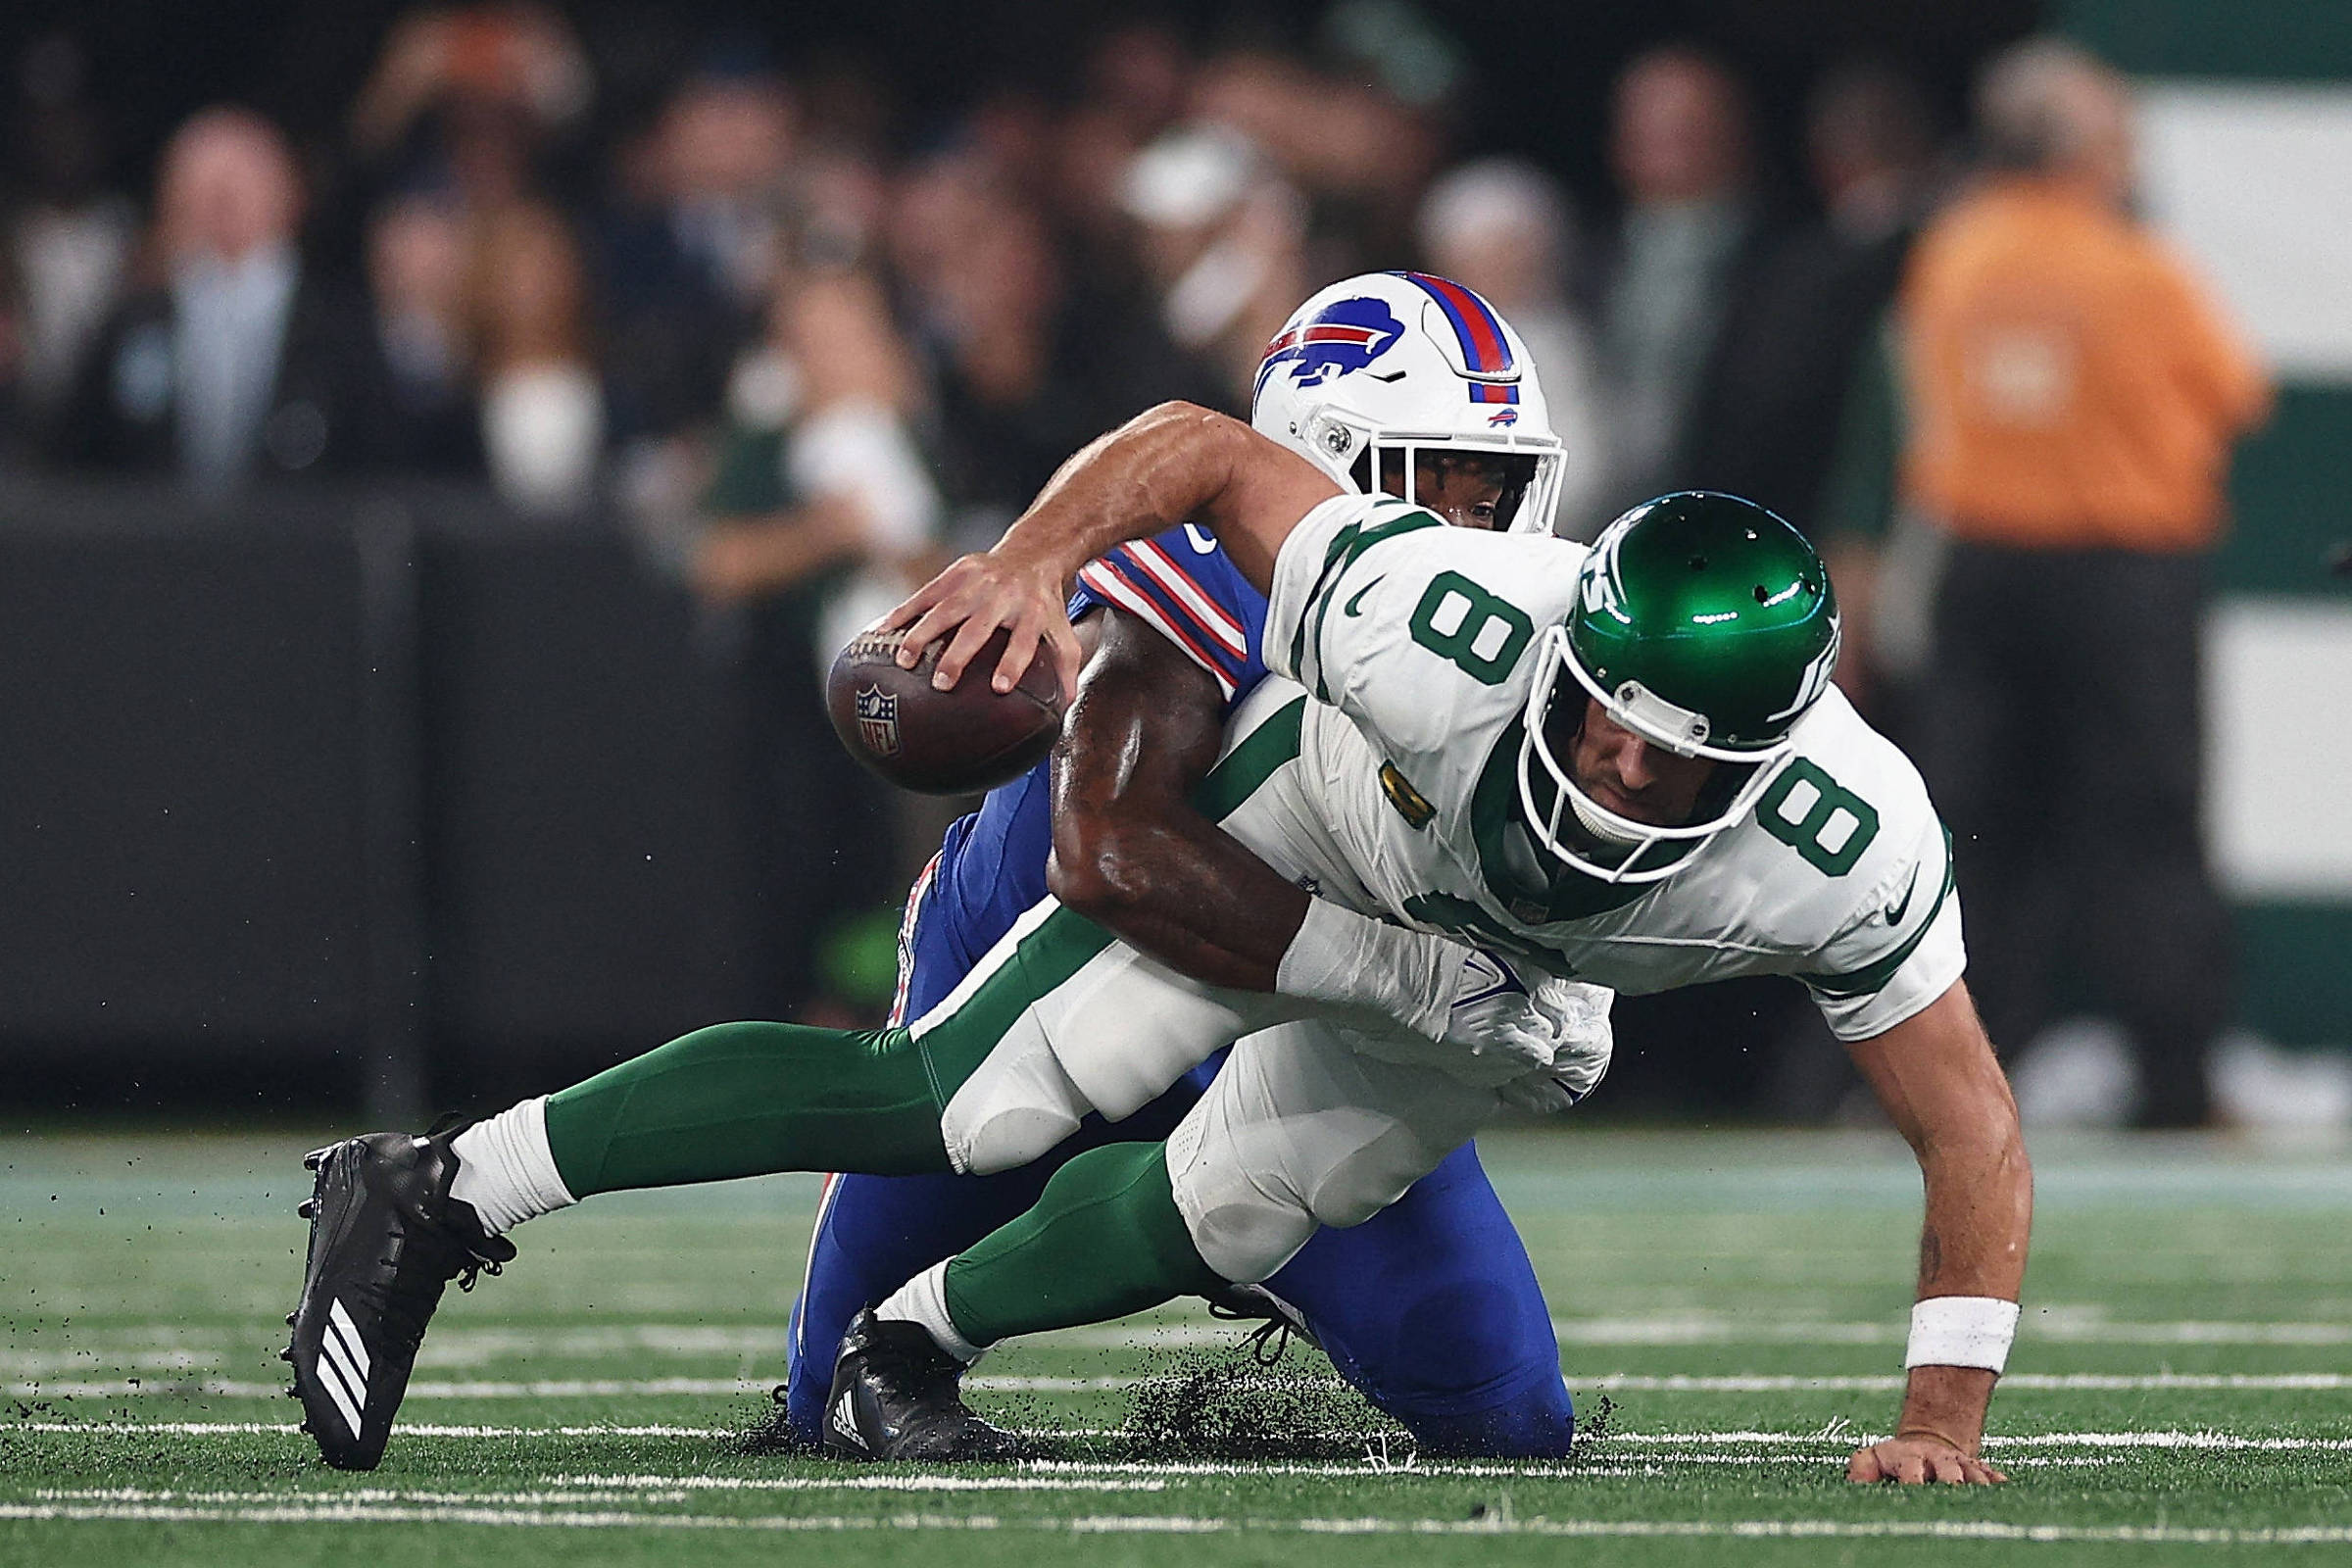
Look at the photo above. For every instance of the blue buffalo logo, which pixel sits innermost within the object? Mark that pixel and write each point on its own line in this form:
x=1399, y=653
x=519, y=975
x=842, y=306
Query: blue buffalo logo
x=1344, y=337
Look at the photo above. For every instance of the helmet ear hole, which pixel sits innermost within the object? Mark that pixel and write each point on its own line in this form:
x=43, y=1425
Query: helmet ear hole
x=1762, y=597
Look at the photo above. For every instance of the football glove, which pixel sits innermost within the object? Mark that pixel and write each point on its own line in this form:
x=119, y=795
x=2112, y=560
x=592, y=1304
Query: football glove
x=1583, y=1046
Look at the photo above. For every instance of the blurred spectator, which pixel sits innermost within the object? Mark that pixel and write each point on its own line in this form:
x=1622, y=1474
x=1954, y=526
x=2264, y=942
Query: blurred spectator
x=419, y=281
x=1767, y=418
x=464, y=103
x=1223, y=241
x=2073, y=397
x=1025, y=364
x=1137, y=75
x=1355, y=153
x=820, y=514
x=473, y=93
x=69, y=239
x=1686, y=249
x=542, y=404
x=687, y=263
x=480, y=332
x=826, y=396
x=238, y=357
x=1503, y=227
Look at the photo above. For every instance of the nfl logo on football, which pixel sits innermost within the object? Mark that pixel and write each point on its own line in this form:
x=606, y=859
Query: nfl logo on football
x=878, y=720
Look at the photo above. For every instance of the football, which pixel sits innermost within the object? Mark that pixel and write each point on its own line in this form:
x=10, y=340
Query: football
x=941, y=742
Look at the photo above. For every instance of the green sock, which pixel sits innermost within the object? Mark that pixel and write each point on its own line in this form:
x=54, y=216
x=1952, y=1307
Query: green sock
x=748, y=1100
x=1103, y=1240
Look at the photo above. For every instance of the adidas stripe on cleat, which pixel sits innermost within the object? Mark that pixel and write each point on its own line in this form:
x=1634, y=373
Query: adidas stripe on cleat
x=896, y=1396
x=386, y=1238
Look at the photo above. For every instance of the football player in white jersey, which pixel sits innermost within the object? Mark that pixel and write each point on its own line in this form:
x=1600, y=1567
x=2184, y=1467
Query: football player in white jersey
x=1408, y=384
x=1626, y=765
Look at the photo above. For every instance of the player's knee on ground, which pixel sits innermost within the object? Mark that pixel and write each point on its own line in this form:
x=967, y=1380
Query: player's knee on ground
x=1016, y=1109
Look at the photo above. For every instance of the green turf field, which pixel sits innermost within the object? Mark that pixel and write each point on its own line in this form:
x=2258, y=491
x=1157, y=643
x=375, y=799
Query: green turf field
x=2182, y=1389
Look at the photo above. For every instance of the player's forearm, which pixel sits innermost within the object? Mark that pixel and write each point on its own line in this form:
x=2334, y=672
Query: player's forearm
x=1980, y=1210
x=1173, y=464
x=1980, y=1215
x=1184, y=893
x=1937, y=1077
x=1130, y=851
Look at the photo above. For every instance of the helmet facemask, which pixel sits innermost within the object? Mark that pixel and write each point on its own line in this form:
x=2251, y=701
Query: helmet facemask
x=1366, y=458
x=1395, y=468
x=1567, y=821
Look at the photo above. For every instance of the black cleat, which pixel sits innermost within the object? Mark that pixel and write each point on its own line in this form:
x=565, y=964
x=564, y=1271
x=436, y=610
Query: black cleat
x=386, y=1238
x=895, y=1397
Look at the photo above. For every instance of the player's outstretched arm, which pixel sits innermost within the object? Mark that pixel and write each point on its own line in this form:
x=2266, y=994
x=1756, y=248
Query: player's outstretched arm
x=1936, y=1074
x=1177, y=463
x=1130, y=850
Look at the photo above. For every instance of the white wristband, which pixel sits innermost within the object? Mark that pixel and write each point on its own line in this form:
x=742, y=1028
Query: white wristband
x=1353, y=961
x=1961, y=1331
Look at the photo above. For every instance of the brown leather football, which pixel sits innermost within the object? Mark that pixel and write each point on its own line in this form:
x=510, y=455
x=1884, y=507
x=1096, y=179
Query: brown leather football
x=941, y=742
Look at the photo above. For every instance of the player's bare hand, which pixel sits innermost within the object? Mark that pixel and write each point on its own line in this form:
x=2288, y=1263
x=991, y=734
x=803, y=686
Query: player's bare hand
x=1921, y=1460
x=968, y=602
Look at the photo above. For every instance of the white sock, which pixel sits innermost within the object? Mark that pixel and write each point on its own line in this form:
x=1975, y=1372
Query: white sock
x=923, y=1300
x=506, y=1171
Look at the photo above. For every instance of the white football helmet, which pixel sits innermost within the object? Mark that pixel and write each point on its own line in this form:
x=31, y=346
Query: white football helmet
x=1404, y=362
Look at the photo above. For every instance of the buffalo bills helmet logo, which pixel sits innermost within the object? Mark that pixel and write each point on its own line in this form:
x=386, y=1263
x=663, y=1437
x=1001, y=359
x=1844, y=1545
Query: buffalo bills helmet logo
x=1502, y=416
x=1344, y=337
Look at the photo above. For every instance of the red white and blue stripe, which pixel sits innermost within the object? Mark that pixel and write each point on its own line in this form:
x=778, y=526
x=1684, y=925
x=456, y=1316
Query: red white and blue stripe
x=1192, y=596
x=1486, y=350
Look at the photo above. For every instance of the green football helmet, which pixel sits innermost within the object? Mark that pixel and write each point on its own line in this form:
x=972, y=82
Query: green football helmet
x=1703, y=623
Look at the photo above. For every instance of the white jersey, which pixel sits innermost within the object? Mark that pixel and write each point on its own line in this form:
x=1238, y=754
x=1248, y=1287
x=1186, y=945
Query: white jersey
x=1417, y=642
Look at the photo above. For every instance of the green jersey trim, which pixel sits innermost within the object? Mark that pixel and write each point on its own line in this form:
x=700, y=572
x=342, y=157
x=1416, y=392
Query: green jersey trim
x=1873, y=977
x=1345, y=547
x=1242, y=771
x=1065, y=941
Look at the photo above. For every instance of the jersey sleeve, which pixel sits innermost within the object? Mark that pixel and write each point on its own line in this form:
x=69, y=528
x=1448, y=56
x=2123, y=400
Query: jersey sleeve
x=1403, y=625
x=1903, y=949
x=1182, y=586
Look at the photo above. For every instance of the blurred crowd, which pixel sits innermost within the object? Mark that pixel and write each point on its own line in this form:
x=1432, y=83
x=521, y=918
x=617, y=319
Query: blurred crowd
x=572, y=309
x=810, y=345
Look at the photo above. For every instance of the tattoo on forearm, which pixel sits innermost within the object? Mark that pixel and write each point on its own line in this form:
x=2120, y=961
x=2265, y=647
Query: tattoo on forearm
x=1931, y=1256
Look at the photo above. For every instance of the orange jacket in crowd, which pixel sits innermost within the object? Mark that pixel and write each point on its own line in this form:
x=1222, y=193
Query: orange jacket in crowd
x=2069, y=383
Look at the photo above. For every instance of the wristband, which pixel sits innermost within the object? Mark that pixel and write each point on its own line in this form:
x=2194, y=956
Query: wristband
x=1961, y=1331
x=1353, y=961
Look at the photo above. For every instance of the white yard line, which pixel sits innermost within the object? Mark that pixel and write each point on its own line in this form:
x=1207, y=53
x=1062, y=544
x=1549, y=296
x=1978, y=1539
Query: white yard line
x=305, y=1512
x=457, y=1345
x=1794, y=1441
x=2013, y=1383
x=422, y=1429
x=2057, y=1327
x=1599, y=1383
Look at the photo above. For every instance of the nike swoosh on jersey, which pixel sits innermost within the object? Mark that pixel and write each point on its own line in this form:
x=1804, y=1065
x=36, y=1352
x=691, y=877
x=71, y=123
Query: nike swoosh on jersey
x=1355, y=606
x=1894, y=911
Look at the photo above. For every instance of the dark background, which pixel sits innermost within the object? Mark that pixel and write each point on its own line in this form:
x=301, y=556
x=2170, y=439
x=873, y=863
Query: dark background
x=377, y=794
x=1540, y=73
